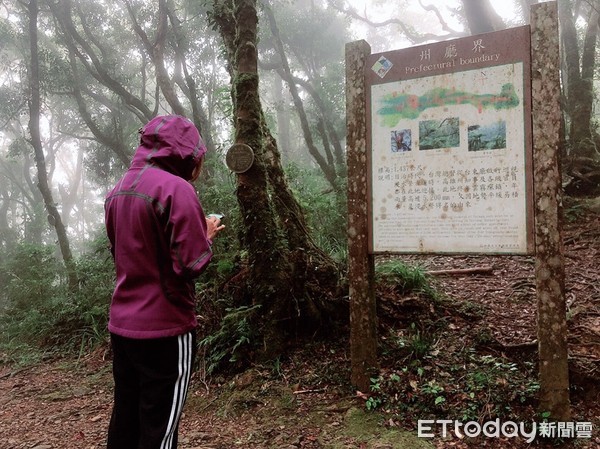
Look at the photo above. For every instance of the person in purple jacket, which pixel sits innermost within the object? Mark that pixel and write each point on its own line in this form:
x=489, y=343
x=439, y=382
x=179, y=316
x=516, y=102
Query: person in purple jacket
x=161, y=242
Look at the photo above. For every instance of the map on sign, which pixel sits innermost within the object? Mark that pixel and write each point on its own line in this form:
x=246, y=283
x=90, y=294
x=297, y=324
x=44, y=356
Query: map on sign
x=402, y=105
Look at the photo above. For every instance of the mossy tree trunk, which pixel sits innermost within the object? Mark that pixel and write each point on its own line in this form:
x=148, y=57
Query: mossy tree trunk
x=288, y=275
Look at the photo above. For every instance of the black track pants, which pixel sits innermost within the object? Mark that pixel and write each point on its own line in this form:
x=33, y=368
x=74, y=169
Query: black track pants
x=151, y=383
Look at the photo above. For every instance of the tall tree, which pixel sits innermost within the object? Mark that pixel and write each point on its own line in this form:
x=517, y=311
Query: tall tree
x=329, y=157
x=99, y=87
x=524, y=6
x=36, y=142
x=326, y=163
x=23, y=199
x=289, y=277
x=8, y=232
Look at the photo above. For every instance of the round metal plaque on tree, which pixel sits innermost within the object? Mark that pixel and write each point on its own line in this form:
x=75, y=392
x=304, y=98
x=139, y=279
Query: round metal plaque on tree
x=239, y=158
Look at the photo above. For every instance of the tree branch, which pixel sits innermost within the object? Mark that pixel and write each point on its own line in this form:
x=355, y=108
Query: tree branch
x=413, y=37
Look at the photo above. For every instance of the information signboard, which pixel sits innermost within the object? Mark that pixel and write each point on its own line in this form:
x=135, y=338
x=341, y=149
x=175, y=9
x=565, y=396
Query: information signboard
x=450, y=146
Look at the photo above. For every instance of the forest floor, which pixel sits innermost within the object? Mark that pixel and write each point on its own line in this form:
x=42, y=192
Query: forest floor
x=437, y=359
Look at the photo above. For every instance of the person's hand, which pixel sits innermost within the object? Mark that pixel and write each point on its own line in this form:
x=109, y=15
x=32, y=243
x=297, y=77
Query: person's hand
x=214, y=226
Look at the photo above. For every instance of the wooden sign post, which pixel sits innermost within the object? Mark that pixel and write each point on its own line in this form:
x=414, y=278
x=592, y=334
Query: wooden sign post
x=549, y=262
x=361, y=272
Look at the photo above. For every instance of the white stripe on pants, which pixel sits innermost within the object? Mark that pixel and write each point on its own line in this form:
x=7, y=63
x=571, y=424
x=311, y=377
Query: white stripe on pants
x=184, y=344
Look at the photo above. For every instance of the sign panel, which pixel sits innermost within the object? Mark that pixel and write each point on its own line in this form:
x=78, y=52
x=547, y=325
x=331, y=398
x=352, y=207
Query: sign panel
x=450, y=146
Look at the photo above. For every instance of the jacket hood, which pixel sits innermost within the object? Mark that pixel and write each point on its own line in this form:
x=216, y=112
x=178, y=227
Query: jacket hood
x=171, y=142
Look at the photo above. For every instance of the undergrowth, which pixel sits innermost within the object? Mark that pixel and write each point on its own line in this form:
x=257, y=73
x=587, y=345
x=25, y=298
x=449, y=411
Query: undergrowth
x=465, y=386
x=432, y=370
x=40, y=316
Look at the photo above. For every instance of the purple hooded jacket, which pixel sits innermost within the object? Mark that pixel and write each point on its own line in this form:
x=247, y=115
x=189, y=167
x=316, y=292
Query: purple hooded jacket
x=157, y=230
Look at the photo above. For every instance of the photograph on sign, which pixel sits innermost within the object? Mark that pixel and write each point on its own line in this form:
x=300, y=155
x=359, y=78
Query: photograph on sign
x=448, y=162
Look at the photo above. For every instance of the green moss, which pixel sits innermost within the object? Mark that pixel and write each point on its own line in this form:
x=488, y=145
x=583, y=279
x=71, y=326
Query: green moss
x=366, y=428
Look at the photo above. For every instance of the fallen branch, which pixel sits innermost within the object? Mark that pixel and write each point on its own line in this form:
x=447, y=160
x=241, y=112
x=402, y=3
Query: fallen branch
x=319, y=390
x=458, y=271
x=524, y=345
x=527, y=346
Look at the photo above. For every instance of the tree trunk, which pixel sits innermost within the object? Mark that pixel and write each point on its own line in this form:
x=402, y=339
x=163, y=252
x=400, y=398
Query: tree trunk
x=32, y=196
x=8, y=236
x=286, y=269
x=583, y=160
x=268, y=258
x=69, y=195
x=24, y=192
x=325, y=164
x=36, y=141
x=314, y=275
x=338, y=151
x=283, y=120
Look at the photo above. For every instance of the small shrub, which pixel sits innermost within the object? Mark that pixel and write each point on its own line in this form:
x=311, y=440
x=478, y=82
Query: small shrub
x=227, y=344
x=84, y=318
x=405, y=277
x=413, y=342
x=30, y=276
